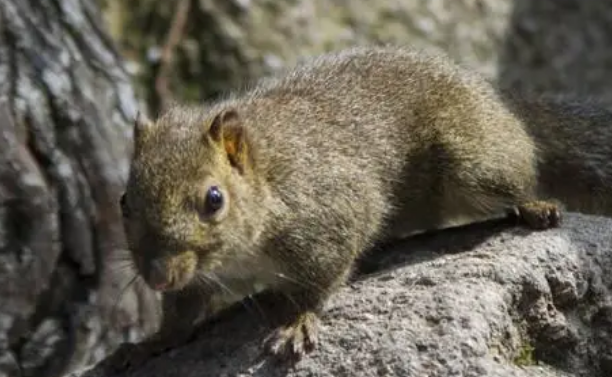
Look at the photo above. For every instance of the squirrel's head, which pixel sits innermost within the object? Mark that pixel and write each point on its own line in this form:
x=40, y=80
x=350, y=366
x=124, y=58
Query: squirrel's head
x=189, y=202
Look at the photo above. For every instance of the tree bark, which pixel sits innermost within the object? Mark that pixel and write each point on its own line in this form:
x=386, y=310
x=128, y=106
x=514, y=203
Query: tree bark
x=66, y=106
x=536, y=46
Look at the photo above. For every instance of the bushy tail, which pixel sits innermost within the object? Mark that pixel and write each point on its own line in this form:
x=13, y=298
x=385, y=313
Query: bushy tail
x=574, y=142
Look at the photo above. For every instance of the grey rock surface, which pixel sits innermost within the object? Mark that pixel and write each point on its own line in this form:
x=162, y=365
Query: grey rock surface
x=484, y=300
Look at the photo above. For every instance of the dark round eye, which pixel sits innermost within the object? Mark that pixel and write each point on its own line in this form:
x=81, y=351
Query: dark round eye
x=124, y=207
x=214, y=199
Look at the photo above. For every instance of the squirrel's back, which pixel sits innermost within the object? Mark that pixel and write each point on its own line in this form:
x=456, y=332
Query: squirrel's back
x=398, y=120
x=409, y=135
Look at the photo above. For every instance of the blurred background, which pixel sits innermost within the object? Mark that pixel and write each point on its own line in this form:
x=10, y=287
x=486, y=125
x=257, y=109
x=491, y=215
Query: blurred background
x=73, y=73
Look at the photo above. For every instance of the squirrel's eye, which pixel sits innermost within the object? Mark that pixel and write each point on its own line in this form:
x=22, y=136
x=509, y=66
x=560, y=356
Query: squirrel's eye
x=214, y=199
x=124, y=207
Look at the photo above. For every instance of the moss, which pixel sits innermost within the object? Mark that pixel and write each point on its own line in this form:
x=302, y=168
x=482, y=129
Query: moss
x=526, y=356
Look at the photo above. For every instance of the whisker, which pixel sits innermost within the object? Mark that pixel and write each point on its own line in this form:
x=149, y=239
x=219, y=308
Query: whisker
x=299, y=282
x=122, y=292
x=205, y=283
x=242, y=299
x=252, y=299
x=215, y=279
x=120, y=267
x=290, y=298
x=120, y=255
x=143, y=294
x=120, y=261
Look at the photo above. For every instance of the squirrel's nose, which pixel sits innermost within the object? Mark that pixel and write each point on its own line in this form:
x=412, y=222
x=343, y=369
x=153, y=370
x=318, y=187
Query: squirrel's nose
x=158, y=275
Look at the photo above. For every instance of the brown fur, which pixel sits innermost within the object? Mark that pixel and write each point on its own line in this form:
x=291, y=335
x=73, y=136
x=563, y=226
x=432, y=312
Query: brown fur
x=352, y=148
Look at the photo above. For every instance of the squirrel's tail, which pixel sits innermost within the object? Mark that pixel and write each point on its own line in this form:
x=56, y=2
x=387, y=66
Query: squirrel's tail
x=574, y=150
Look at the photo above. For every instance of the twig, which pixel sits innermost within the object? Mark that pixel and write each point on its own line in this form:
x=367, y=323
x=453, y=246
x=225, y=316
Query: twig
x=177, y=27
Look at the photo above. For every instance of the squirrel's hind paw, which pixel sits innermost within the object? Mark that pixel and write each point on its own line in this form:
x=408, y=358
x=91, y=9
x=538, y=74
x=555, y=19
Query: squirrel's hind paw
x=292, y=341
x=539, y=214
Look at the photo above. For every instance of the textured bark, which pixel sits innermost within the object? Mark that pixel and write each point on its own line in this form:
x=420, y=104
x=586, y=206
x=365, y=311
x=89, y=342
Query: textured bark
x=65, y=109
x=544, y=45
x=228, y=43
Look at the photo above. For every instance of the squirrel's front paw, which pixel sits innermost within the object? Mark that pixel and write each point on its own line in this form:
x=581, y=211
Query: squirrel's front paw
x=292, y=341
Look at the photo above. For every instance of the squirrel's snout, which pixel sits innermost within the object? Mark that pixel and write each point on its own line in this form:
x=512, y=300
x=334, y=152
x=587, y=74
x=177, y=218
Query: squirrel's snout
x=171, y=273
x=157, y=275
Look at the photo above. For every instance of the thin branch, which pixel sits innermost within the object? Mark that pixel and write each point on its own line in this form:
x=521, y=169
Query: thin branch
x=177, y=27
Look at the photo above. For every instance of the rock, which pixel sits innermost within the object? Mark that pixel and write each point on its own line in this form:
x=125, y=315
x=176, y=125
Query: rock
x=482, y=300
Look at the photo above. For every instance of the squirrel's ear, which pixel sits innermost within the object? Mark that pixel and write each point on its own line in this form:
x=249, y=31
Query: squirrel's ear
x=226, y=129
x=225, y=119
x=141, y=125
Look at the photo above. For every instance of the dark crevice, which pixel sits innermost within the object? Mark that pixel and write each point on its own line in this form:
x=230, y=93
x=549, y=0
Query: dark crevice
x=94, y=280
x=44, y=161
x=60, y=119
x=18, y=227
x=9, y=40
x=54, y=303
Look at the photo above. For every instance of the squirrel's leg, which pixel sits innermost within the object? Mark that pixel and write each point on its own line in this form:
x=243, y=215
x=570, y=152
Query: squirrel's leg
x=180, y=310
x=500, y=190
x=523, y=206
x=303, y=292
x=297, y=335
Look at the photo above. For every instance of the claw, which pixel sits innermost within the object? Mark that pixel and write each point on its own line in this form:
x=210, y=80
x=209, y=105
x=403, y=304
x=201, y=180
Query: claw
x=293, y=341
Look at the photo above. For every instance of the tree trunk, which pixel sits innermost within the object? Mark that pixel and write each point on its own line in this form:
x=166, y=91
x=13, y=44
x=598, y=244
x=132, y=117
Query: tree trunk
x=66, y=106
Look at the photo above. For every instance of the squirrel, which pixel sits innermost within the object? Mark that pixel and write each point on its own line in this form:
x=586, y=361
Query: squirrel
x=286, y=183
